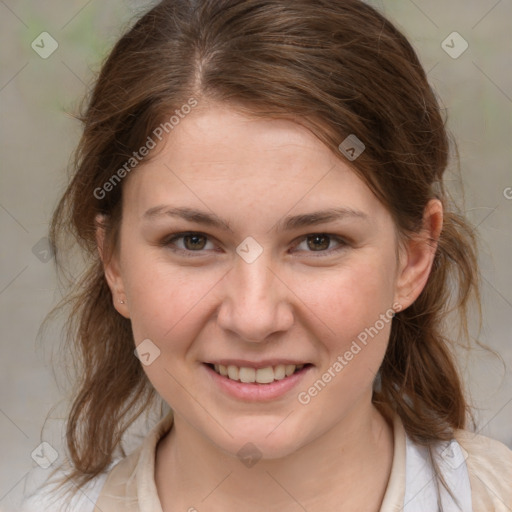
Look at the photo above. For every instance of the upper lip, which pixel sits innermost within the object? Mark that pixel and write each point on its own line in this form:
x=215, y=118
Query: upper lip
x=255, y=364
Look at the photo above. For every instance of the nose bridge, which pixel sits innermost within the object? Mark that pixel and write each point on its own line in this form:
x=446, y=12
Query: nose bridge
x=256, y=284
x=255, y=303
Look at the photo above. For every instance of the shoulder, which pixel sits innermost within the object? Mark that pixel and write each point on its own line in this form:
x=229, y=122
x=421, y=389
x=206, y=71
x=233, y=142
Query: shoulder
x=41, y=493
x=489, y=464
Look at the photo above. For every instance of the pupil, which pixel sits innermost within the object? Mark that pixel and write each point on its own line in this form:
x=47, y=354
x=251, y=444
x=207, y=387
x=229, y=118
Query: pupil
x=321, y=241
x=196, y=242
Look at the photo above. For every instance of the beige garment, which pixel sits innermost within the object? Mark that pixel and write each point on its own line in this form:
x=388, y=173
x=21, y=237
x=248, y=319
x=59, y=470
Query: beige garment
x=490, y=472
x=130, y=485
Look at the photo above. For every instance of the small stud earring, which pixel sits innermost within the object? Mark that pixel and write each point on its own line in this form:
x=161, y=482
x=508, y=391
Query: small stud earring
x=121, y=301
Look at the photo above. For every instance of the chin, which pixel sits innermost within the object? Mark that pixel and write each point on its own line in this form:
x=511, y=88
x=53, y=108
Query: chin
x=263, y=438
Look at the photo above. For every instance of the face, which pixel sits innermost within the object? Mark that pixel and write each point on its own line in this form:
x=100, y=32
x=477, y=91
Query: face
x=247, y=247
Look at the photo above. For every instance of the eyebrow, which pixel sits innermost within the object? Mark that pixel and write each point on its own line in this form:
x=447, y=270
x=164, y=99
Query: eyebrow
x=287, y=224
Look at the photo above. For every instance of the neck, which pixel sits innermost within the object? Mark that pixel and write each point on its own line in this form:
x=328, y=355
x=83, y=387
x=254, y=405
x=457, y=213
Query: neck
x=347, y=468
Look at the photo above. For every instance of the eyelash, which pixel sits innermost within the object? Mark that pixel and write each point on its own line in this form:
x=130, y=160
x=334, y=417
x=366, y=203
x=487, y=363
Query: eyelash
x=170, y=240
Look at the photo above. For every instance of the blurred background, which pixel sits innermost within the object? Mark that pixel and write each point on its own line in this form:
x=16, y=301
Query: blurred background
x=50, y=54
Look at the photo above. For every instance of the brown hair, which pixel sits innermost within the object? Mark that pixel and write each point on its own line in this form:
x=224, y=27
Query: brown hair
x=340, y=68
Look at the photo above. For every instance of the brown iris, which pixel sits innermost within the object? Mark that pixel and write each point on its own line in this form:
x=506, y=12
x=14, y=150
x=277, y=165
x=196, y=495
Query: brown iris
x=318, y=242
x=194, y=242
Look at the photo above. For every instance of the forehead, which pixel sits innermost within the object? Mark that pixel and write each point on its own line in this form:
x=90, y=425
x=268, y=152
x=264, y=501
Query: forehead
x=217, y=156
x=225, y=140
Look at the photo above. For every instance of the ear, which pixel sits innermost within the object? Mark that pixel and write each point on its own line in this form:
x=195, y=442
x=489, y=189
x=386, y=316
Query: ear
x=417, y=256
x=111, y=269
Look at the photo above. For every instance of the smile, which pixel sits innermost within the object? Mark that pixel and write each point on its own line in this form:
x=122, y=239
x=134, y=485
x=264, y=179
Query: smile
x=256, y=381
x=250, y=375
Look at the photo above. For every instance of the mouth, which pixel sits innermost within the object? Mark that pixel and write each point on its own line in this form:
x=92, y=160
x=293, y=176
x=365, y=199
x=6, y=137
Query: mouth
x=251, y=375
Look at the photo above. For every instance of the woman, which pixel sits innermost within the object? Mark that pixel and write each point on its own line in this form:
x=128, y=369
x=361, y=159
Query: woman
x=259, y=190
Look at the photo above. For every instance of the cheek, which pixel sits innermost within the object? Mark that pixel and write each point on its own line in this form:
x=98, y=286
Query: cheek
x=357, y=314
x=163, y=303
x=170, y=308
x=353, y=299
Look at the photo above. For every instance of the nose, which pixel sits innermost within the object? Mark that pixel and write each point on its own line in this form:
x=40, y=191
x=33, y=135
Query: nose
x=255, y=302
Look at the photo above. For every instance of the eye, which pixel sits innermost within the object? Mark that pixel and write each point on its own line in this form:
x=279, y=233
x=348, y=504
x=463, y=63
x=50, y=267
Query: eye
x=194, y=242
x=321, y=242
x=188, y=242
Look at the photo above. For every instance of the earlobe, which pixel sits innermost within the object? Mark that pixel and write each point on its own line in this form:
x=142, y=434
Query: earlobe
x=417, y=255
x=111, y=270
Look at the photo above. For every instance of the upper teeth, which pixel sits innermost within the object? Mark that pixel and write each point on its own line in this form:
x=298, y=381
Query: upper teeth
x=260, y=375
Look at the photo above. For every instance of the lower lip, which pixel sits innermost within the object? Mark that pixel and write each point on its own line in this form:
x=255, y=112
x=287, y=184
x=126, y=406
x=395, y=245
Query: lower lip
x=257, y=392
